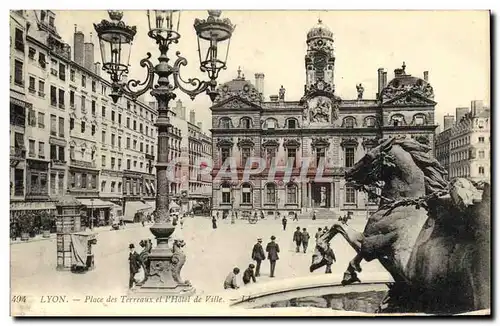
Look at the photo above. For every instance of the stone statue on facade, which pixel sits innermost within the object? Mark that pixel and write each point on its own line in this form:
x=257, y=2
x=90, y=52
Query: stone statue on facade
x=282, y=93
x=320, y=109
x=360, y=90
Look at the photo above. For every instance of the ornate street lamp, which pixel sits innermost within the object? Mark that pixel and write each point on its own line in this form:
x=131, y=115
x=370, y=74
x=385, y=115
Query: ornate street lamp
x=214, y=34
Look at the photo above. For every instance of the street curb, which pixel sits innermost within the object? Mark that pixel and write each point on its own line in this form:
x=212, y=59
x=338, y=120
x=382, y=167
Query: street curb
x=54, y=235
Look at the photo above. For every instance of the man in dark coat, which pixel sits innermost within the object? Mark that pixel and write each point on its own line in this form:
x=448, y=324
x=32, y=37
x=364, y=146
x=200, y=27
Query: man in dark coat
x=248, y=274
x=134, y=264
x=284, y=221
x=297, y=238
x=295, y=217
x=258, y=255
x=272, y=249
x=318, y=234
x=305, y=239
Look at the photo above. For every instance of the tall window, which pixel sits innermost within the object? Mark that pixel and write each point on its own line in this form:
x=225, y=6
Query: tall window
x=419, y=120
x=128, y=142
x=119, y=142
x=245, y=123
x=61, y=98
x=246, y=194
x=103, y=137
x=61, y=127
x=53, y=96
x=112, y=115
x=245, y=154
x=18, y=73
x=271, y=193
x=113, y=140
x=350, y=195
x=84, y=81
x=226, y=194
x=349, y=157
x=31, y=86
x=19, y=40
x=291, y=193
x=225, y=123
x=481, y=170
x=62, y=71
x=41, y=88
x=41, y=149
x=370, y=122
x=103, y=112
x=225, y=152
x=481, y=139
x=481, y=154
x=270, y=154
x=82, y=125
x=72, y=98
x=292, y=155
x=320, y=154
x=292, y=124
x=18, y=182
x=53, y=125
x=41, y=120
x=349, y=122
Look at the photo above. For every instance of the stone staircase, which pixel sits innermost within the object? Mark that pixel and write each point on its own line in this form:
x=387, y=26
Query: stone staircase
x=321, y=214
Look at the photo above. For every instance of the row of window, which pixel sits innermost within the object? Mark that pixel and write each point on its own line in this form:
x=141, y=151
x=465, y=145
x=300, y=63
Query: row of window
x=464, y=171
x=291, y=123
x=271, y=192
x=291, y=154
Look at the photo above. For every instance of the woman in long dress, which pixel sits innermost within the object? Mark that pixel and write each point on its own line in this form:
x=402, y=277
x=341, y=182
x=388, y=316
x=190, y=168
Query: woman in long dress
x=214, y=222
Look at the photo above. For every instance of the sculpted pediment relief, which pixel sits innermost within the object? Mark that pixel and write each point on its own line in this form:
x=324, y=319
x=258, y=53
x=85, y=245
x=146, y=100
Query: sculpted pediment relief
x=320, y=142
x=270, y=142
x=245, y=142
x=235, y=104
x=291, y=142
x=225, y=141
x=408, y=97
x=349, y=141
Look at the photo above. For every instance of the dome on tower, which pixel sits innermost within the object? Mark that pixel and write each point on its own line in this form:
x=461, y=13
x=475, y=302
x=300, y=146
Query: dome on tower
x=319, y=31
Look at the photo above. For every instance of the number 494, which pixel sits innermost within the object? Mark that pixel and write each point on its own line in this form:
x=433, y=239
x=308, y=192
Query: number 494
x=18, y=298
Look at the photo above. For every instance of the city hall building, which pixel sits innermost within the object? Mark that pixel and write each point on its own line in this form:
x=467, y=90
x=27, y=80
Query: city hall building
x=321, y=126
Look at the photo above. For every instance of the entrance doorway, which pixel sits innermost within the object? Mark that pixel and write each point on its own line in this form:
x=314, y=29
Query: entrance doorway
x=321, y=195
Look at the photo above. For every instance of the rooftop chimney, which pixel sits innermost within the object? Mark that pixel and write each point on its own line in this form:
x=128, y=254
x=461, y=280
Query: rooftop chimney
x=200, y=125
x=259, y=83
x=449, y=121
x=380, y=80
x=426, y=76
x=78, y=41
x=192, y=118
x=477, y=107
x=88, y=54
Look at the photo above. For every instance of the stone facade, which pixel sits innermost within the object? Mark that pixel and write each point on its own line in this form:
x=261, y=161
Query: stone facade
x=465, y=148
x=321, y=127
x=67, y=136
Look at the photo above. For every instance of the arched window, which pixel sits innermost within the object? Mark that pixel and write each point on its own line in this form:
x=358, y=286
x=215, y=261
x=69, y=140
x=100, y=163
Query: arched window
x=398, y=120
x=291, y=193
x=349, y=122
x=291, y=123
x=245, y=123
x=226, y=193
x=113, y=185
x=271, y=193
x=419, y=119
x=370, y=121
x=246, y=194
x=270, y=123
x=225, y=123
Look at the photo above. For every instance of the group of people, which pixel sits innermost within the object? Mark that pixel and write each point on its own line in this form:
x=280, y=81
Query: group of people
x=258, y=255
x=139, y=264
x=301, y=238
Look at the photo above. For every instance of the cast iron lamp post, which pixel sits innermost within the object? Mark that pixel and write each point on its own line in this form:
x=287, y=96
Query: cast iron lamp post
x=232, y=210
x=115, y=38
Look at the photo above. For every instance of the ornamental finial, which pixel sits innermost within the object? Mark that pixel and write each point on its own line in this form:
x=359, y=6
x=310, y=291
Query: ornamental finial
x=214, y=13
x=115, y=15
x=404, y=67
x=239, y=72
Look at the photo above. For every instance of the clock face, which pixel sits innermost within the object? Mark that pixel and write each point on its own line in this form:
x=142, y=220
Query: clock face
x=320, y=61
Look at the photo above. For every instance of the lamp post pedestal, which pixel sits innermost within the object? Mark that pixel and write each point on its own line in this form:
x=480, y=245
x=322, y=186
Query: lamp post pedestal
x=166, y=263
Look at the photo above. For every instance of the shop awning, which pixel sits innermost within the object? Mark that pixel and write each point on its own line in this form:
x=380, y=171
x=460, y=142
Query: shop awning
x=151, y=203
x=153, y=187
x=133, y=207
x=96, y=203
x=147, y=187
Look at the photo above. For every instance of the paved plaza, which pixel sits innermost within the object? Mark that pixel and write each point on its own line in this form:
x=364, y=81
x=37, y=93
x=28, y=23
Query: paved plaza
x=211, y=254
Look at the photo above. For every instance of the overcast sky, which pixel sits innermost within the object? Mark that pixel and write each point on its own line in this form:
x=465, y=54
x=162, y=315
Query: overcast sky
x=452, y=45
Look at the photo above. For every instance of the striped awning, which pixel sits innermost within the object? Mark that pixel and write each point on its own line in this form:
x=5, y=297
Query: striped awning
x=96, y=203
x=133, y=207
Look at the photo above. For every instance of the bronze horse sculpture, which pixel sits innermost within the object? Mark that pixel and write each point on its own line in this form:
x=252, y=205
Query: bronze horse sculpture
x=432, y=236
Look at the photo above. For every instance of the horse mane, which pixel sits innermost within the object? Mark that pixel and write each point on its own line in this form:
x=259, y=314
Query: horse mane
x=433, y=171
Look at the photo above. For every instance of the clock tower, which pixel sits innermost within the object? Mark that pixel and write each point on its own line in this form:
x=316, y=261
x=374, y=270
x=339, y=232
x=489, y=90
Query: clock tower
x=320, y=58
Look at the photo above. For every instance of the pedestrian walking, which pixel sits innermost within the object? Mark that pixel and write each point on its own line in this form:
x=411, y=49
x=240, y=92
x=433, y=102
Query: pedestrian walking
x=272, y=250
x=297, y=238
x=134, y=265
x=248, y=275
x=181, y=221
x=314, y=216
x=284, y=221
x=144, y=258
x=295, y=217
x=230, y=282
x=330, y=258
x=214, y=222
x=305, y=239
x=318, y=234
x=258, y=255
